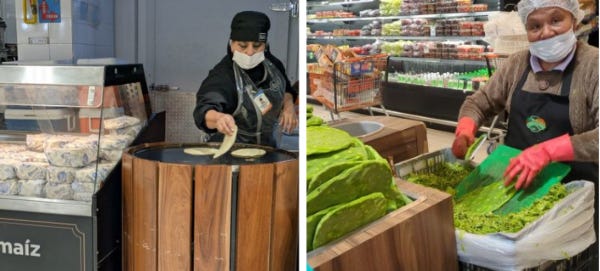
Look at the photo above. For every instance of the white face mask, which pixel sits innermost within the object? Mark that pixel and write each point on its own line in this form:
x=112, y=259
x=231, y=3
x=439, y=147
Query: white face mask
x=554, y=49
x=247, y=62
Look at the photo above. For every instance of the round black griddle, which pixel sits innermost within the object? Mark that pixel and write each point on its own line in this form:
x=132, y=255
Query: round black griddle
x=173, y=153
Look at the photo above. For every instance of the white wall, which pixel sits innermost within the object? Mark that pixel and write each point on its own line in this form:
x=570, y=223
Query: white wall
x=86, y=30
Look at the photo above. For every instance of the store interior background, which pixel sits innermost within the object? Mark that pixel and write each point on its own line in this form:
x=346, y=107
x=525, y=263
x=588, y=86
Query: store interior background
x=177, y=42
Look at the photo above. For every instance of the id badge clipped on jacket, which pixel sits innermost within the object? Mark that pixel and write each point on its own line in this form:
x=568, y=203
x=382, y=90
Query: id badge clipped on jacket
x=263, y=103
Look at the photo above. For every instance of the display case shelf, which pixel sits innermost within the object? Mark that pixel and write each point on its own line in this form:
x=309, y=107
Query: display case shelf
x=432, y=38
x=336, y=3
x=440, y=60
x=416, y=16
x=80, y=232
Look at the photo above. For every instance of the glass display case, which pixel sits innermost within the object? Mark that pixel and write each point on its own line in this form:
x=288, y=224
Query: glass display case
x=64, y=129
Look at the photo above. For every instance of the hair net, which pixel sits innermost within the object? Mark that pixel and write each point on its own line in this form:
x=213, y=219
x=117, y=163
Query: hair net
x=526, y=7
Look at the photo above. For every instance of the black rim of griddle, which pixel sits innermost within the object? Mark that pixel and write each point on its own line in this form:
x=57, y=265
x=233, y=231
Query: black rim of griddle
x=173, y=153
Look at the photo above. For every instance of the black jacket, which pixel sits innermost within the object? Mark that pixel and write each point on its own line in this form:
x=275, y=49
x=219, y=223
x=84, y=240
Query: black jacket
x=218, y=90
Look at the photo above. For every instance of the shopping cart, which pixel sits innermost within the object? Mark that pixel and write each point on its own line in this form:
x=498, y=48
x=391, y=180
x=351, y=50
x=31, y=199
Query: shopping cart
x=349, y=85
x=499, y=124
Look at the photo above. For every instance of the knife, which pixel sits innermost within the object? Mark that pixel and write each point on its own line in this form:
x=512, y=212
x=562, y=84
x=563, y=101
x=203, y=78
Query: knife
x=226, y=144
x=472, y=150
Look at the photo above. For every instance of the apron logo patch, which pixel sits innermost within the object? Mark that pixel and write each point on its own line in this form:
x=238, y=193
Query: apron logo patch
x=536, y=124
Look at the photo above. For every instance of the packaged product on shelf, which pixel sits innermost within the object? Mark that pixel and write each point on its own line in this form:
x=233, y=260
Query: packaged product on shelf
x=389, y=7
x=89, y=174
x=35, y=142
x=111, y=154
x=11, y=148
x=120, y=122
x=85, y=196
x=59, y=175
x=9, y=187
x=74, y=154
x=365, y=30
x=8, y=169
x=59, y=191
x=32, y=170
x=32, y=188
x=479, y=7
x=130, y=131
x=30, y=156
x=79, y=187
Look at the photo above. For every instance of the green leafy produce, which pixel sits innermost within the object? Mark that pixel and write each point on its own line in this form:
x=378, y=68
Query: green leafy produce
x=328, y=173
x=475, y=219
x=324, y=139
x=363, y=179
x=314, y=121
x=389, y=7
x=319, y=162
x=372, y=154
x=484, y=223
x=444, y=176
x=486, y=199
x=348, y=217
x=340, y=170
x=311, y=225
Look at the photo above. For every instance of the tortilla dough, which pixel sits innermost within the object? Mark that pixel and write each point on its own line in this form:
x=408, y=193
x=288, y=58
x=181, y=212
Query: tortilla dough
x=200, y=151
x=248, y=153
x=228, y=141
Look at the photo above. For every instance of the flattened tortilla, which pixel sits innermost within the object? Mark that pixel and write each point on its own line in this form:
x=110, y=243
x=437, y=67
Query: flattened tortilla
x=226, y=144
x=248, y=153
x=200, y=151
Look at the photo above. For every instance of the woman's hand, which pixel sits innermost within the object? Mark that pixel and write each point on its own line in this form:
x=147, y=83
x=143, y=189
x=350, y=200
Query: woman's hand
x=224, y=123
x=288, y=120
x=532, y=160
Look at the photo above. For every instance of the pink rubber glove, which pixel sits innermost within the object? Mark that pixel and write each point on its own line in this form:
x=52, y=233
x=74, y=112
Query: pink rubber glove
x=465, y=135
x=533, y=159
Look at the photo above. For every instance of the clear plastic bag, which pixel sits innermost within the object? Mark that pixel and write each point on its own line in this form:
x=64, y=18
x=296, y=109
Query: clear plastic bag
x=564, y=231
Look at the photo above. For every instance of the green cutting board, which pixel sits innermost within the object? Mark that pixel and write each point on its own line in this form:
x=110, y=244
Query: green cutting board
x=492, y=169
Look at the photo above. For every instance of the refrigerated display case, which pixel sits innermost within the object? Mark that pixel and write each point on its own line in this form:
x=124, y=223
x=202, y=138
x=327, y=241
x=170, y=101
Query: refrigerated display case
x=64, y=131
x=425, y=40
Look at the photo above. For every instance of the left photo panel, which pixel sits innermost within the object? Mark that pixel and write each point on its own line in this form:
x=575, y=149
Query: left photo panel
x=142, y=135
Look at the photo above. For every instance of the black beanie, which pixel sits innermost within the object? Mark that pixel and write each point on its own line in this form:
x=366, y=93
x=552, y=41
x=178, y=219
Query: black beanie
x=250, y=26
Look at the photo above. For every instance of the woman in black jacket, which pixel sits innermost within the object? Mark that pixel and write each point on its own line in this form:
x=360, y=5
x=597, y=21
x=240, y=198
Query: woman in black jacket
x=248, y=88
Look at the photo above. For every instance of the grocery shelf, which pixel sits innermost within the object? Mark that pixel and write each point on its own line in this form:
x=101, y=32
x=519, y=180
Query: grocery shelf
x=441, y=60
x=433, y=38
x=337, y=3
x=417, y=16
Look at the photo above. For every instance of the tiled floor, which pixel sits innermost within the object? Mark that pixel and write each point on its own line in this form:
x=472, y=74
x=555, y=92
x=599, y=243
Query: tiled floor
x=436, y=139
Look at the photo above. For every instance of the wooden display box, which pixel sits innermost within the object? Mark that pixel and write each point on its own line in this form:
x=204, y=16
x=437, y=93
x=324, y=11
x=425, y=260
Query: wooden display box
x=418, y=236
x=400, y=139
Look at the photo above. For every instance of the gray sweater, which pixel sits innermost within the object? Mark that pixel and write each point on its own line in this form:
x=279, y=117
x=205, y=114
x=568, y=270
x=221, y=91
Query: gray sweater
x=583, y=98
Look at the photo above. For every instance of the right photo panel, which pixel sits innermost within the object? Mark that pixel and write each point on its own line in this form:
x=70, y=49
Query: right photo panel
x=451, y=135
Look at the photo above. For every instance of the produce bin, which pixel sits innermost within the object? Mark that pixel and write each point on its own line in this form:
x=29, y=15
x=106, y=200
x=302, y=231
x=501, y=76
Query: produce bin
x=510, y=245
x=417, y=236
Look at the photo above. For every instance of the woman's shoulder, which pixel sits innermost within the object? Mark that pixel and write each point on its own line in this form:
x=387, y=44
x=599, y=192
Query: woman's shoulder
x=587, y=53
x=225, y=64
